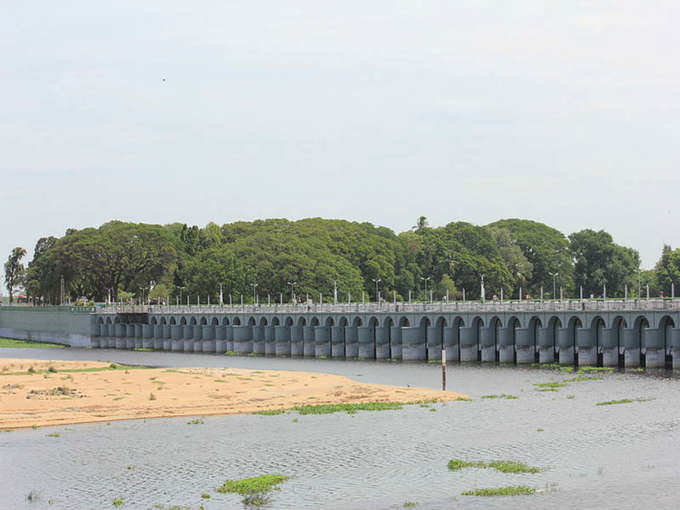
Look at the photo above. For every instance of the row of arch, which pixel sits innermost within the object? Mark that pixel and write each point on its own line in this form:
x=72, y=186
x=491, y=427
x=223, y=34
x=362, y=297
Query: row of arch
x=596, y=323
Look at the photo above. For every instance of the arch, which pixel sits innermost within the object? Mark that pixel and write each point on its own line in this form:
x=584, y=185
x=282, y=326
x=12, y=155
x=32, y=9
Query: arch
x=163, y=322
x=183, y=321
x=172, y=321
x=263, y=321
x=276, y=321
x=108, y=320
x=478, y=321
x=514, y=319
x=357, y=322
x=193, y=321
x=598, y=326
x=666, y=325
x=640, y=325
x=289, y=321
x=154, y=321
x=404, y=323
x=534, y=325
x=343, y=322
x=495, y=325
x=459, y=322
x=204, y=321
x=251, y=321
x=314, y=322
x=225, y=321
x=237, y=321
x=301, y=322
x=330, y=321
x=215, y=321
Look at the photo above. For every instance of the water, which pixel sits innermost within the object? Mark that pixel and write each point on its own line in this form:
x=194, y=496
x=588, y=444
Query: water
x=619, y=456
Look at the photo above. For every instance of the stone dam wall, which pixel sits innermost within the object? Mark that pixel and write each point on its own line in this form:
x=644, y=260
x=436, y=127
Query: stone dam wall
x=586, y=337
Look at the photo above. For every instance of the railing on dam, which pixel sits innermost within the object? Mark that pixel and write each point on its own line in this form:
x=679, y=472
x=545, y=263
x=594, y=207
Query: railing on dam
x=609, y=305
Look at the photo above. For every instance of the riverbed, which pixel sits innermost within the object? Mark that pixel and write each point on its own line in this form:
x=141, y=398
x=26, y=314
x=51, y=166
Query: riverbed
x=591, y=456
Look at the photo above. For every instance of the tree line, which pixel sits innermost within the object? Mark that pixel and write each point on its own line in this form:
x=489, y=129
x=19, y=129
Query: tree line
x=315, y=257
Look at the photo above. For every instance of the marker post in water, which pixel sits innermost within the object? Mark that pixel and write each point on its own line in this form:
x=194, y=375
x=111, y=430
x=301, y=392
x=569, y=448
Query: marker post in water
x=443, y=366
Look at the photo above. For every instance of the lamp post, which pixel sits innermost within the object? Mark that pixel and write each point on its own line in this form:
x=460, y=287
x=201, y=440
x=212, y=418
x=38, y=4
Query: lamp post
x=554, y=276
x=292, y=291
x=377, y=294
x=254, y=286
x=426, y=280
x=221, y=296
x=482, y=292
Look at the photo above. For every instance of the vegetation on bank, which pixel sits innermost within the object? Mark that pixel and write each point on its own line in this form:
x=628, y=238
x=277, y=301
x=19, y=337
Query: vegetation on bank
x=22, y=344
x=187, y=261
x=339, y=408
x=112, y=366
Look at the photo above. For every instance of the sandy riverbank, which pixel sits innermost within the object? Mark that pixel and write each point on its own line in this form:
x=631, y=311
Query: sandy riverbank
x=32, y=393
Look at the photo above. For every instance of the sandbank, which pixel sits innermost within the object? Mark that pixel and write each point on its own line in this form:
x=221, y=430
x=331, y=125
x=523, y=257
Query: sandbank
x=44, y=393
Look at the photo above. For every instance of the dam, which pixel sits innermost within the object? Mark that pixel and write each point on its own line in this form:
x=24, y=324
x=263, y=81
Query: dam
x=611, y=333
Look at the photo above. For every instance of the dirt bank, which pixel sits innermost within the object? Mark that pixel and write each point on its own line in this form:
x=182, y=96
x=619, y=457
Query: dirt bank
x=41, y=393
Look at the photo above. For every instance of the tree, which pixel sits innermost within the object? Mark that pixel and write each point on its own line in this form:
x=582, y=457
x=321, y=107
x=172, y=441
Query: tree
x=667, y=271
x=545, y=248
x=421, y=224
x=14, y=271
x=599, y=262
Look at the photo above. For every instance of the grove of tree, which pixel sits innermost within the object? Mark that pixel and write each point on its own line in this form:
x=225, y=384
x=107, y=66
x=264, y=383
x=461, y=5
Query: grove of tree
x=312, y=257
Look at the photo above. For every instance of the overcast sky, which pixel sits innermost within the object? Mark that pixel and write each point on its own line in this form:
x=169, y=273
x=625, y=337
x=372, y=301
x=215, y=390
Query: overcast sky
x=566, y=112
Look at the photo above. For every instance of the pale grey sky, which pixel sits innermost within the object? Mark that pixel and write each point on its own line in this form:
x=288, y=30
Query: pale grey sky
x=566, y=112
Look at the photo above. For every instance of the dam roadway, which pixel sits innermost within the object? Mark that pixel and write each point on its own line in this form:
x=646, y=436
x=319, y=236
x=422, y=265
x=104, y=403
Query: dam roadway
x=626, y=333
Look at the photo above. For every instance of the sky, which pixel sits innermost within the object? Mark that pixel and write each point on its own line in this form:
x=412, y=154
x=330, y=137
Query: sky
x=564, y=112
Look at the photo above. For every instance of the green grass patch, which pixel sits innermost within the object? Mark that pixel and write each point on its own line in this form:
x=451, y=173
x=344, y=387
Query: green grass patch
x=19, y=344
x=512, y=490
x=502, y=395
x=255, y=485
x=410, y=504
x=53, y=434
x=144, y=349
x=195, y=421
x=504, y=466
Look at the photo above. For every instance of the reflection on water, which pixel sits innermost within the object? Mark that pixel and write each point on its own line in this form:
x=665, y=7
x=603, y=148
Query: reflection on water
x=617, y=456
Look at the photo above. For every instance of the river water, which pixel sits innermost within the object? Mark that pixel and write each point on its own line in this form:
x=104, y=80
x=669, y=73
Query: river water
x=606, y=457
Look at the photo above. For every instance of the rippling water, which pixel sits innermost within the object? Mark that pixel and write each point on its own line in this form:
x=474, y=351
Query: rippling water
x=619, y=456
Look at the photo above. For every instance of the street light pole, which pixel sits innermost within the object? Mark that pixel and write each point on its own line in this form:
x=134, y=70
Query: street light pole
x=377, y=296
x=426, y=280
x=554, y=276
x=254, y=286
x=292, y=291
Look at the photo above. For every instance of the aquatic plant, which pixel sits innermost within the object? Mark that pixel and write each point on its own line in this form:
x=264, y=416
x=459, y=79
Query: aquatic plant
x=623, y=401
x=504, y=466
x=551, y=384
x=580, y=378
x=118, y=502
x=511, y=490
x=195, y=421
x=254, y=485
x=502, y=395
x=54, y=434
